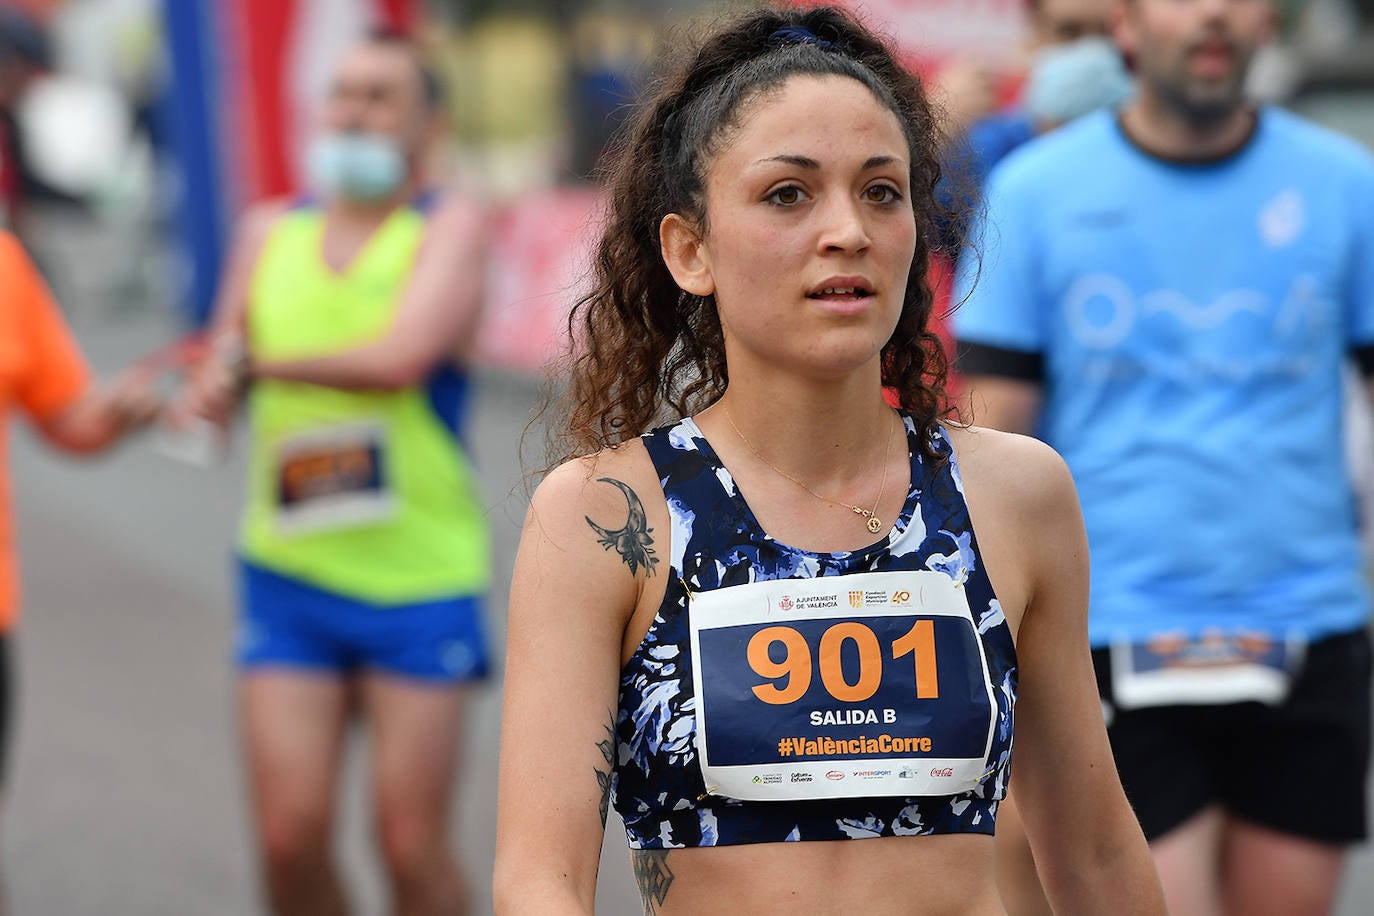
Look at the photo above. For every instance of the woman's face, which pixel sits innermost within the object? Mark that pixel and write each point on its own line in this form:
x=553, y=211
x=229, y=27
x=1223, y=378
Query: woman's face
x=810, y=232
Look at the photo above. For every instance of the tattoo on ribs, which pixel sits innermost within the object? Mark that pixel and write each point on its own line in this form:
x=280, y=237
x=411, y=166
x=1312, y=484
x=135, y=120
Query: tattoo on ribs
x=633, y=541
x=607, y=748
x=653, y=876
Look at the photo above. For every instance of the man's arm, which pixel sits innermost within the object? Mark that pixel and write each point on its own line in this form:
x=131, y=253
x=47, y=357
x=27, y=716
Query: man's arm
x=213, y=386
x=999, y=321
x=998, y=402
x=1002, y=388
x=436, y=319
x=103, y=415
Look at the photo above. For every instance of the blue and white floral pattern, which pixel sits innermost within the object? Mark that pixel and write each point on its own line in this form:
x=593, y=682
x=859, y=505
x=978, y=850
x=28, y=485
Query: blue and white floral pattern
x=716, y=542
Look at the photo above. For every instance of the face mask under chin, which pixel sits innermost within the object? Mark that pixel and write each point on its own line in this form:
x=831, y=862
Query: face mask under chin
x=357, y=167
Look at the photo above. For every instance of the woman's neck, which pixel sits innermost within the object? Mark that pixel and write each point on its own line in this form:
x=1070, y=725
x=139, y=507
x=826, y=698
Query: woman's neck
x=819, y=431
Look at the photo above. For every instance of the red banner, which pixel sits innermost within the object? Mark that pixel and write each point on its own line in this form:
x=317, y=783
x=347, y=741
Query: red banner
x=933, y=30
x=541, y=248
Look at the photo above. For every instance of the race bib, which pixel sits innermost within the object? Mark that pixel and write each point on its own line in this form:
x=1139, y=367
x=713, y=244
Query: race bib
x=839, y=687
x=1217, y=667
x=334, y=478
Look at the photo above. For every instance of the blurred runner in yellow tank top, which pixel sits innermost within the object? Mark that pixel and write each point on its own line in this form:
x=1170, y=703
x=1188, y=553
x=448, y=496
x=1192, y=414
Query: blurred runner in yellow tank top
x=347, y=318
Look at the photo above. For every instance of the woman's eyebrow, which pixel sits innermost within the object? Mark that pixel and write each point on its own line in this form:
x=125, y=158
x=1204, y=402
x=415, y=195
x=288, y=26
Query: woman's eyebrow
x=806, y=162
x=877, y=162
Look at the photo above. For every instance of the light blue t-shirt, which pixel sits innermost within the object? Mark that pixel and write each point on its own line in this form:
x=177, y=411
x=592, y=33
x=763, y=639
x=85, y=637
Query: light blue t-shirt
x=1193, y=321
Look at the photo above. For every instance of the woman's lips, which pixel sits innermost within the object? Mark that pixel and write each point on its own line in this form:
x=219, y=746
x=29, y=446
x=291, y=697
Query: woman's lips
x=843, y=303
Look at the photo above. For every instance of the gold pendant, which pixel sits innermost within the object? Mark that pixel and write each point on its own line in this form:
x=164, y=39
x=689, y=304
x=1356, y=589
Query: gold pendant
x=875, y=524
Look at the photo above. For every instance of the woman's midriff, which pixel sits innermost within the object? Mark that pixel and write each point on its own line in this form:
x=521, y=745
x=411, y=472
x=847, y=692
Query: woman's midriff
x=889, y=876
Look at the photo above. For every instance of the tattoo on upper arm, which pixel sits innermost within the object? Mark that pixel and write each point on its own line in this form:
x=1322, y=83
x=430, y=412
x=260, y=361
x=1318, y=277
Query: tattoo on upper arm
x=653, y=876
x=607, y=748
x=633, y=541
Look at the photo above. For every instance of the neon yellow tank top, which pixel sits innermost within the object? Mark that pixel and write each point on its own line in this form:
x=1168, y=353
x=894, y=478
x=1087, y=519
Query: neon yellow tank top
x=364, y=493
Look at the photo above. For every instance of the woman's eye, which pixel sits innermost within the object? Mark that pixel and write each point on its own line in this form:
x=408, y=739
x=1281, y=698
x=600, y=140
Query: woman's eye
x=786, y=196
x=882, y=194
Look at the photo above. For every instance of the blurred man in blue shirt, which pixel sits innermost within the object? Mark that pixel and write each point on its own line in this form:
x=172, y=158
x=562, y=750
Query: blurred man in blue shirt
x=1168, y=295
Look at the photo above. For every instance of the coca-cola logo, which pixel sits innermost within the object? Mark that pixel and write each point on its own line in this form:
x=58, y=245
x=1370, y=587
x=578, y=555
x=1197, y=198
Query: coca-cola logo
x=942, y=771
x=835, y=775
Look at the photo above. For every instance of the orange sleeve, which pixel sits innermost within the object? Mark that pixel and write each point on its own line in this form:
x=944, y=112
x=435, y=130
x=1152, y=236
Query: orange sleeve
x=55, y=373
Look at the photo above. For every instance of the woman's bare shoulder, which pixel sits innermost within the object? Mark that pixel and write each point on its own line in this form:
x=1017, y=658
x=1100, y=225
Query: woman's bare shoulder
x=1019, y=476
x=580, y=483
x=1021, y=500
x=607, y=505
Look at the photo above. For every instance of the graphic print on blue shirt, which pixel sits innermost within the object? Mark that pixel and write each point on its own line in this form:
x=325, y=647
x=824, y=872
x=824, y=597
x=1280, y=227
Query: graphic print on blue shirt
x=716, y=543
x=1193, y=322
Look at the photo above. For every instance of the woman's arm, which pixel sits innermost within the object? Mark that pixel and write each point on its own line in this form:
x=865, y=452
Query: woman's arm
x=571, y=599
x=1088, y=845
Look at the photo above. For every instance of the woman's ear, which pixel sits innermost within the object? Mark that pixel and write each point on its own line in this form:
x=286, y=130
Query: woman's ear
x=684, y=252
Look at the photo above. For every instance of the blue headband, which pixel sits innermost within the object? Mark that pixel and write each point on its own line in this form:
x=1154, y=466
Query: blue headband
x=799, y=34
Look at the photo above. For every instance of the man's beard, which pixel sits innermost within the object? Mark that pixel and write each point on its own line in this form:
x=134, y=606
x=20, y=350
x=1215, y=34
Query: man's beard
x=1203, y=106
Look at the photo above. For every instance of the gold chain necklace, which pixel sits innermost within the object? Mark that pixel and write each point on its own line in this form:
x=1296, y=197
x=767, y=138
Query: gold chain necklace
x=871, y=520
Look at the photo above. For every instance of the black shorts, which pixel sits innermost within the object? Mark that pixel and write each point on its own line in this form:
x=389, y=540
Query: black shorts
x=1300, y=767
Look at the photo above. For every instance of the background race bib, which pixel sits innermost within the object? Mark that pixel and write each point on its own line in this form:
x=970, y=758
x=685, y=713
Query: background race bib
x=846, y=686
x=332, y=478
x=1217, y=667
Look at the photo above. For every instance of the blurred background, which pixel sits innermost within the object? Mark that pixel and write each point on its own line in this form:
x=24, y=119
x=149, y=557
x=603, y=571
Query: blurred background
x=132, y=132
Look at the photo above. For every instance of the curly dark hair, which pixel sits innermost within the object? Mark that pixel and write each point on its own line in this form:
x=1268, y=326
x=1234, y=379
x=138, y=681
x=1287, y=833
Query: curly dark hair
x=642, y=346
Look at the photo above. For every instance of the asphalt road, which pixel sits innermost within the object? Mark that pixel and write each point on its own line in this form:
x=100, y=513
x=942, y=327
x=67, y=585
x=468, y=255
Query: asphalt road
x=125, y=797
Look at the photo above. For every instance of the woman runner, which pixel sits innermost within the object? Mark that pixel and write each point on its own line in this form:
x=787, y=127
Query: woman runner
x=767, y=628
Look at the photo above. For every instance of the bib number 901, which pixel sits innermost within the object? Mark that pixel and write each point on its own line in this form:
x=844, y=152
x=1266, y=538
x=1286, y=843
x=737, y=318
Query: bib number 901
x=797, y=664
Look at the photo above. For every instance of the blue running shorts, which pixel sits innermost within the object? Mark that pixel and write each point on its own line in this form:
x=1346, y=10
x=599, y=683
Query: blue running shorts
x=285, y=623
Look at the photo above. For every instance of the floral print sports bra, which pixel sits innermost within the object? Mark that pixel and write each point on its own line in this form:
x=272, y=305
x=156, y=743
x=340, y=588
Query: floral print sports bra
x=658, y=786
